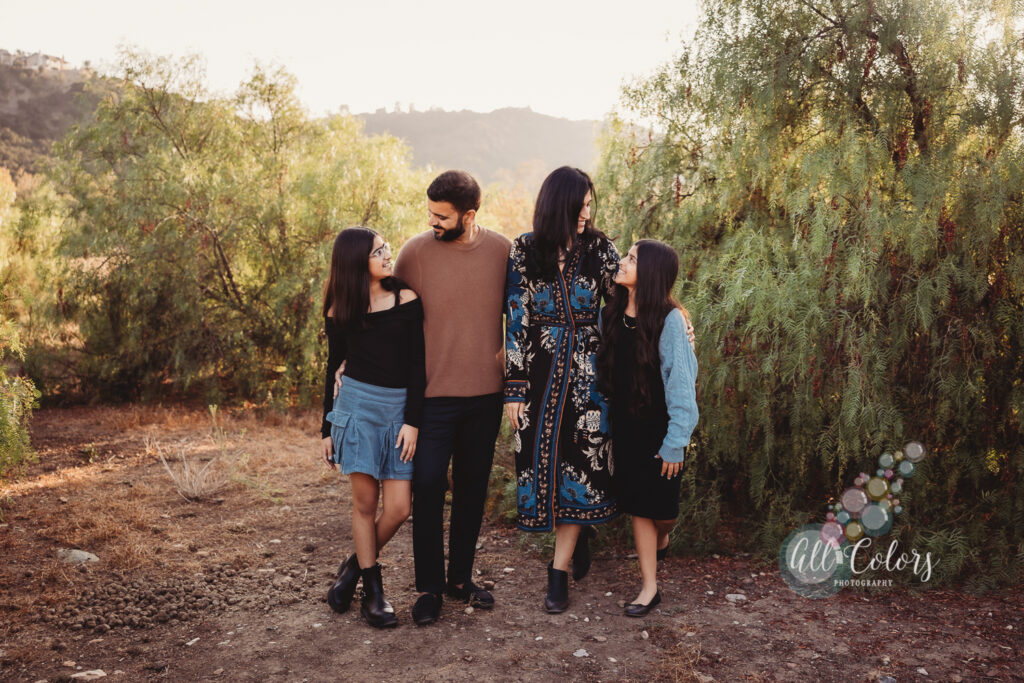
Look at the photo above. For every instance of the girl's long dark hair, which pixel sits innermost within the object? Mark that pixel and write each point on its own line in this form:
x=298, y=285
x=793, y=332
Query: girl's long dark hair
x=555, y=217
x=348, y=283
x=657, y=266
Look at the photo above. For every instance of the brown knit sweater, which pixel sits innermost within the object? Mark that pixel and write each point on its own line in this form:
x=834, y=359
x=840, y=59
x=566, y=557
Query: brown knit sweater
x=463, y=291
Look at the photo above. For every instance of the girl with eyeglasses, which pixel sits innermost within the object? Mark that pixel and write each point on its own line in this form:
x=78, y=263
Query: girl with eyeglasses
x=374, y=324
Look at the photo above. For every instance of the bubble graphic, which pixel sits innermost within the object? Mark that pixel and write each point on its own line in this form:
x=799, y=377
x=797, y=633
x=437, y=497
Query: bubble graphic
x=815, y=558
x=876, y=520
x=810, y=565
x=832, y=534
x=914, y=451
x=877, y=488
x=854, y=500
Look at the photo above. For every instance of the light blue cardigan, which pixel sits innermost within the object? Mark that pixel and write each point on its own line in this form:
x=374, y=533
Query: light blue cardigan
x=679, y=374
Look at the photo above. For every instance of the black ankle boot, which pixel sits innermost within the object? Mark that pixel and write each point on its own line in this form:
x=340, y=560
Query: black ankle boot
x=376, y=610
x=581, y=554
x=557, y=599
x=339, y=596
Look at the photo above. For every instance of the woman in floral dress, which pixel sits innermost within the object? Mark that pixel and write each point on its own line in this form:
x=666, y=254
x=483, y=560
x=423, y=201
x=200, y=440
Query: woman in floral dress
x=557, y=277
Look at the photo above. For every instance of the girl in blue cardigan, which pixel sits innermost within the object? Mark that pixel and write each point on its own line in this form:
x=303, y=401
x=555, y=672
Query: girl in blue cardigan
x=648, y=369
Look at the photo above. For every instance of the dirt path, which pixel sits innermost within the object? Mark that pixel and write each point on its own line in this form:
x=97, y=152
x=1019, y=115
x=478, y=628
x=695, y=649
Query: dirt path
x=232, y=588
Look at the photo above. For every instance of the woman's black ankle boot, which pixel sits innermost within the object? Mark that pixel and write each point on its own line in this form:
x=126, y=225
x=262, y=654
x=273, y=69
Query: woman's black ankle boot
x=376, y=610
x=339, y=596
x=557, y=599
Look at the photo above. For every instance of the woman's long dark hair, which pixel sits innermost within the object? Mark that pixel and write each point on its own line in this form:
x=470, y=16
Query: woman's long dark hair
x=657, y=266
x=555, y=217
x=348, y=283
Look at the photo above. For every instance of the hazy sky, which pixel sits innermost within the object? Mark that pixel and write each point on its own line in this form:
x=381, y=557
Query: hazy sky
x=565, y=58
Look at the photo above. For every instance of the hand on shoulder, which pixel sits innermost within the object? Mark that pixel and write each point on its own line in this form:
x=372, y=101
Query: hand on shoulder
x=676, y=320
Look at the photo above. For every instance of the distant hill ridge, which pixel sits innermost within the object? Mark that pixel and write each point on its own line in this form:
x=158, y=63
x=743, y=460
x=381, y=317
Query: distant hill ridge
x=506, y=145
x=41, y=97
x=37, y=106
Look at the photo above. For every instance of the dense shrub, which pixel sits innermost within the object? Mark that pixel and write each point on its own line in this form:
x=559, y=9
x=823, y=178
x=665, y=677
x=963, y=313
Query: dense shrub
x=843, y=182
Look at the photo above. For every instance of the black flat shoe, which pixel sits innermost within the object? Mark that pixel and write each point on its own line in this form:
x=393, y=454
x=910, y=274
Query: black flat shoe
x=471, y=593
x=662, y=553
x=557, y=599
x=581, y=553
x=635, y=609
x=427, y=609
x=339, y=596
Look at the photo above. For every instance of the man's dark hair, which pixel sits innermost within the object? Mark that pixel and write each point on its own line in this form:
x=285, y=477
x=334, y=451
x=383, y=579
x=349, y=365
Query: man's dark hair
x=458, y=188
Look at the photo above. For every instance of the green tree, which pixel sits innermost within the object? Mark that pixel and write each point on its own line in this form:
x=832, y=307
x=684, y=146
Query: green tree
x=17, y=393
x=843, y=181
x=200, y=230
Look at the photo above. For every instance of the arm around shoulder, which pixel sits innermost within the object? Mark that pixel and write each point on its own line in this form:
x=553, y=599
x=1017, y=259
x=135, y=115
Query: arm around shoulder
x=679, y=374
x=417, y=366
x=517, y=322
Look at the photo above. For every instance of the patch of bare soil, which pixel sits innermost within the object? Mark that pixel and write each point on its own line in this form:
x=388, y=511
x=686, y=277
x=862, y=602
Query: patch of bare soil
x=231, y=586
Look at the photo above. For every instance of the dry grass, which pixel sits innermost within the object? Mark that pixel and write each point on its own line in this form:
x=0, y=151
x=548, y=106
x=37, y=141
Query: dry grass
x=131, y=554
x=101, y=486
x=128, y=505
x=679, y=664
x=192, y=480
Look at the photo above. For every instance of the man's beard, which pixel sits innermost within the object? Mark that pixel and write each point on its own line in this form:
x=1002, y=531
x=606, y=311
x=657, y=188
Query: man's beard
x=453, y=234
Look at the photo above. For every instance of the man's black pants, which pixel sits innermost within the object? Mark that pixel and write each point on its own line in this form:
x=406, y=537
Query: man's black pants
x=460, y=430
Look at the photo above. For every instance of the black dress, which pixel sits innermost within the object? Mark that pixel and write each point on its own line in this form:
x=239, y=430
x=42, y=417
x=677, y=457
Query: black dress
x=637, y=436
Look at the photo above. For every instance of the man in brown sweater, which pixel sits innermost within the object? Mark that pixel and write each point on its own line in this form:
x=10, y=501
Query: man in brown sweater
x=458, y=269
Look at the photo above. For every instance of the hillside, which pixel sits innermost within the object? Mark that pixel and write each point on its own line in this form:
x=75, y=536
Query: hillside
x=36, y=108
x=511, y=146
x=517, y=145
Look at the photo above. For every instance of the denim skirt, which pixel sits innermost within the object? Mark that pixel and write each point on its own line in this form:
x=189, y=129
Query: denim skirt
x=365, y=423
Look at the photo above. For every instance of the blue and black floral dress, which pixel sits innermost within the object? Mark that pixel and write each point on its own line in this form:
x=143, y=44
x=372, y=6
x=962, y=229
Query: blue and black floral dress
x=563, y=447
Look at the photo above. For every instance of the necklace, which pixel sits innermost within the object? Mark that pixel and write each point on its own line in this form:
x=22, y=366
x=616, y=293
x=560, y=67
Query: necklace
x=626, y=324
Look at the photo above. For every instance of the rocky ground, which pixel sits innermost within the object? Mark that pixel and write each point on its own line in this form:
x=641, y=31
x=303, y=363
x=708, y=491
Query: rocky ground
x=231, y=587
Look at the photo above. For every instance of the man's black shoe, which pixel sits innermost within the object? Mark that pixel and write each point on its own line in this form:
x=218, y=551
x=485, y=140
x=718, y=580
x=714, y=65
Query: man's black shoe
x=427, y=609
x=471, y=593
